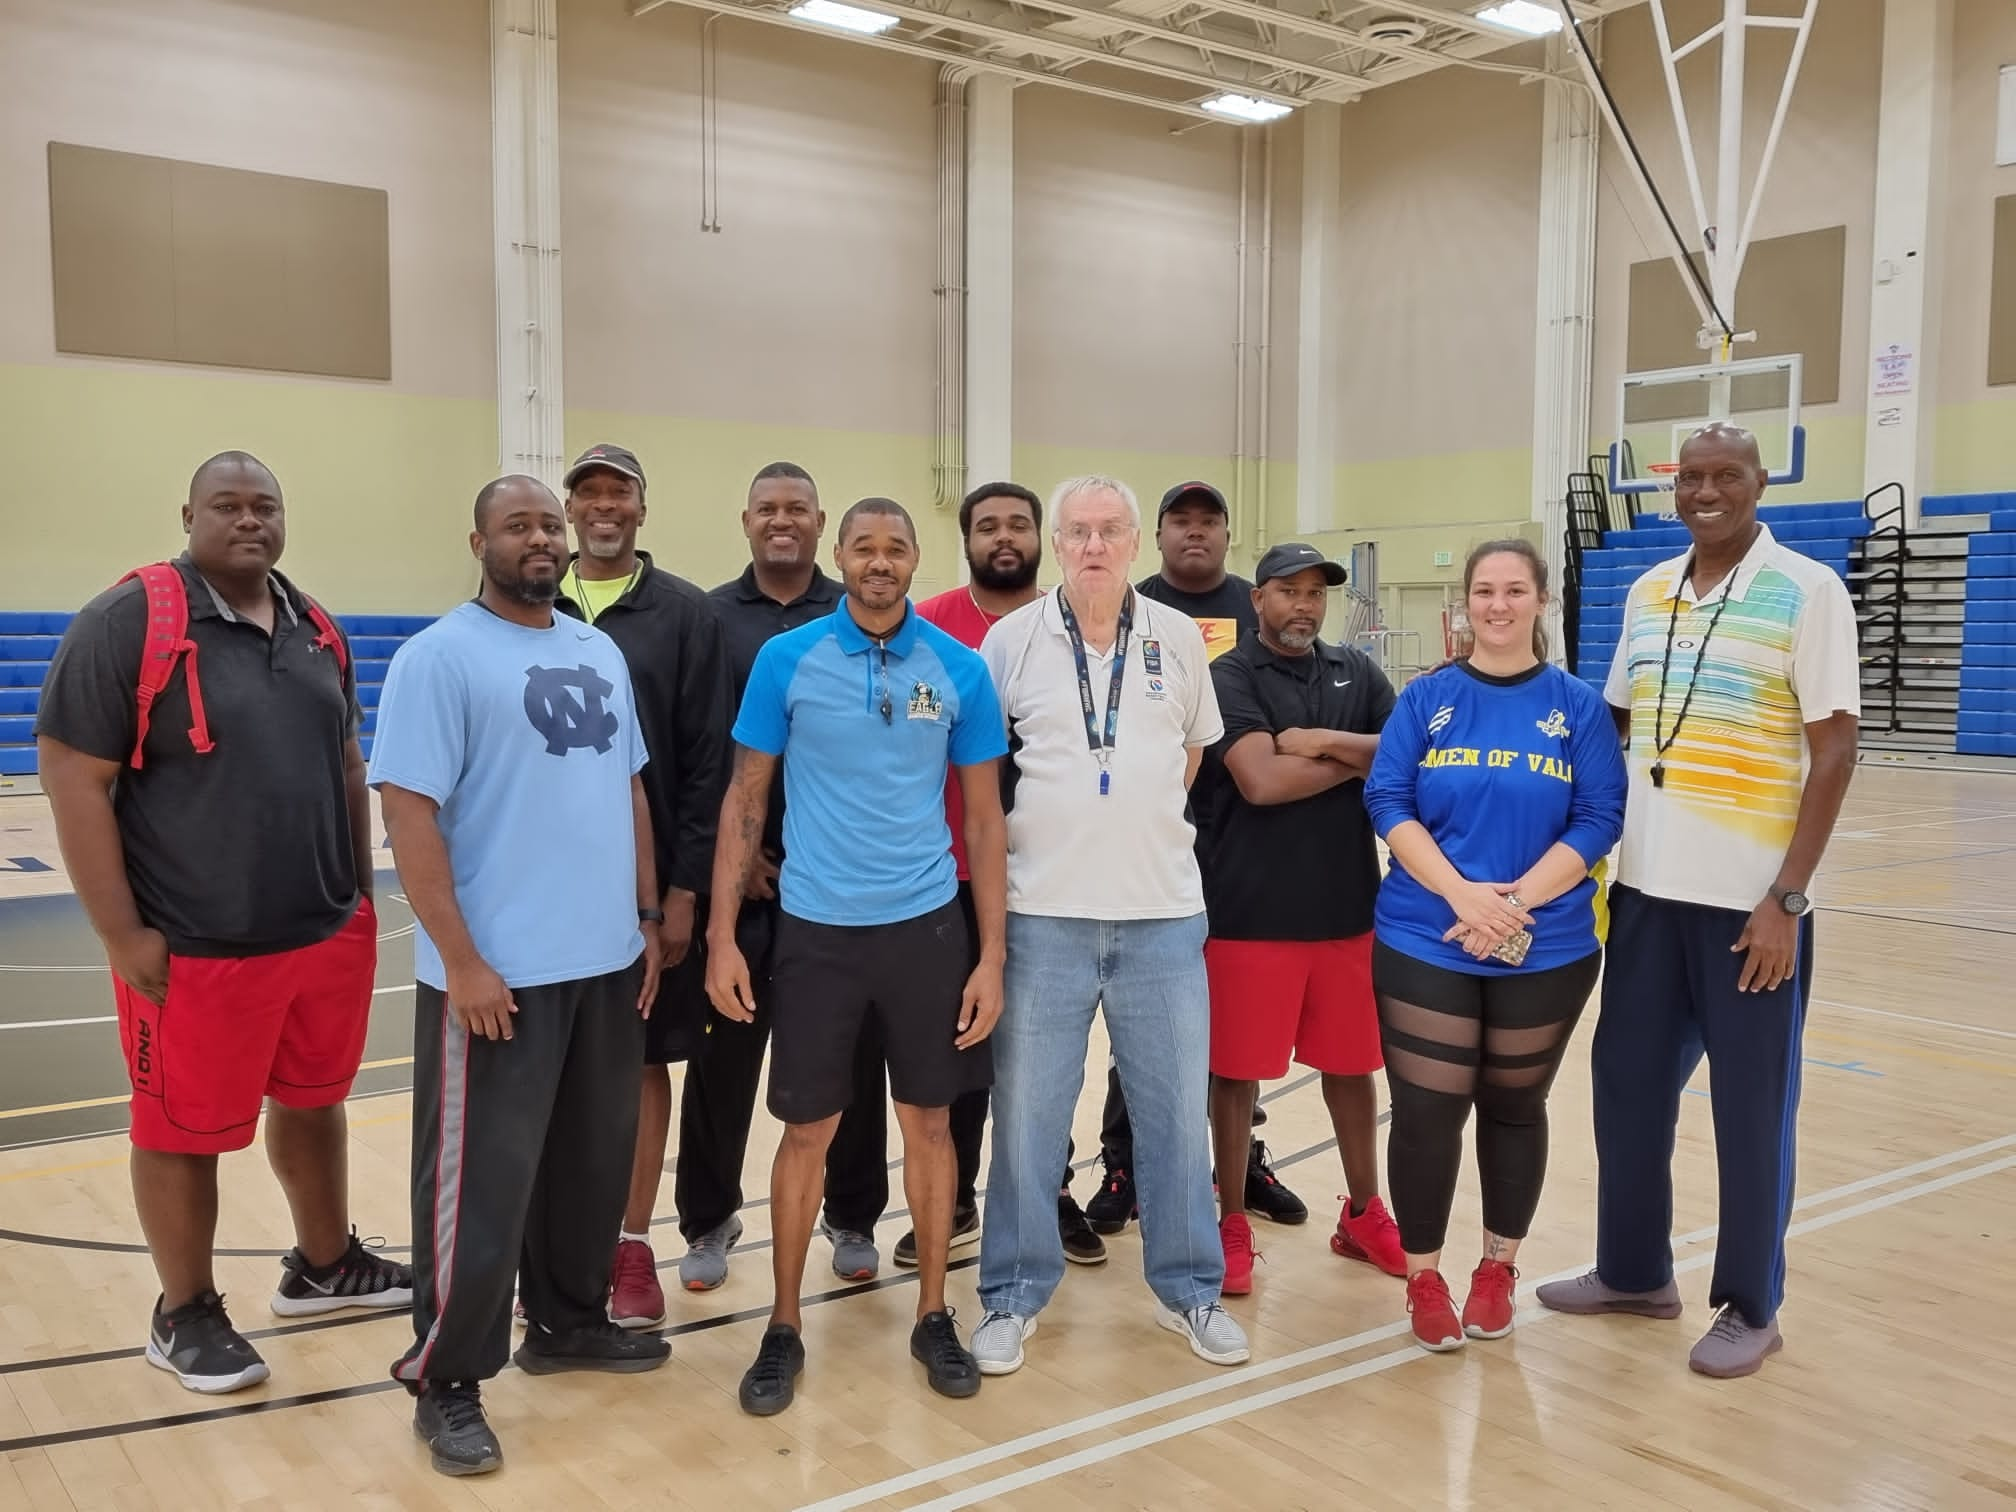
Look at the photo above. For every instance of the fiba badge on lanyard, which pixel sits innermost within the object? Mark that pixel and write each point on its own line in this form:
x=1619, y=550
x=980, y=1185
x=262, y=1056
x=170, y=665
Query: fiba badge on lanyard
x=1101, y=741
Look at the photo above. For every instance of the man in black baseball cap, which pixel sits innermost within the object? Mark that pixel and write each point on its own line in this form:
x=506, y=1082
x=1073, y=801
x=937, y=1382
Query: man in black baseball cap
x=671, y=637
x=1290, y=873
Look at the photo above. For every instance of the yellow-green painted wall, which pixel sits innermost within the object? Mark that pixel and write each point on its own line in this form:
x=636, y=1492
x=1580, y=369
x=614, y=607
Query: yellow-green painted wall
x=378, y=484
x=1974, y=446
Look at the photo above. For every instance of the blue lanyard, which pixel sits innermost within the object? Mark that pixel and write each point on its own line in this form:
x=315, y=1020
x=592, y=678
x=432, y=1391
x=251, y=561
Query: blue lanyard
x=1102, y=749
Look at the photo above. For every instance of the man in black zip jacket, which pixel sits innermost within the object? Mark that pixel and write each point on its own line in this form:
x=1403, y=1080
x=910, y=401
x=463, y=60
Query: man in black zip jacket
x=671, y=637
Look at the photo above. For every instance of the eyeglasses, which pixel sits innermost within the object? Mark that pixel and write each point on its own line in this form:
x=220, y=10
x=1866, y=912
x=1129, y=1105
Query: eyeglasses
x=882, y=685
x=1080, y=536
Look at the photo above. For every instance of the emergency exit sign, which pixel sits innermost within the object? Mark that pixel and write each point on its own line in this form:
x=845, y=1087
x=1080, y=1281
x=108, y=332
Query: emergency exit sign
x=1444, y=559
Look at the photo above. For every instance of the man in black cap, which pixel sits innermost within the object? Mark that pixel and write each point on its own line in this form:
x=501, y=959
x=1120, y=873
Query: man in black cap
x=669, y=634
x=1193, y=531
x=1290, y=872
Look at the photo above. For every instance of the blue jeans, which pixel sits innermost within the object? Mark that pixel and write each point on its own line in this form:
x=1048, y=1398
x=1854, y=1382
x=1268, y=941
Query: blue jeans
x=1149, y=976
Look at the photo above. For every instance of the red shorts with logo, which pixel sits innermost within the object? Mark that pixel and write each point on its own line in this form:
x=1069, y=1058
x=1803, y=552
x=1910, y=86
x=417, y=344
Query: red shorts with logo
x=1311, y=997
x=235, y=1031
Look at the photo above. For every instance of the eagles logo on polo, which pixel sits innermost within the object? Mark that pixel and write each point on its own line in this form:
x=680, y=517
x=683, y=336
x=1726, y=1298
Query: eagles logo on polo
x=527, y=739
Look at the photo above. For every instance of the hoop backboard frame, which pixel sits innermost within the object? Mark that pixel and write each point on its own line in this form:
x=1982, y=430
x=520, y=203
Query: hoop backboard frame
x=1782, y=466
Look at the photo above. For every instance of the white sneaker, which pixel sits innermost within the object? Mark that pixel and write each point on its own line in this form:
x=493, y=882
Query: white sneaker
x=1213, y=1333
x=997, y=1342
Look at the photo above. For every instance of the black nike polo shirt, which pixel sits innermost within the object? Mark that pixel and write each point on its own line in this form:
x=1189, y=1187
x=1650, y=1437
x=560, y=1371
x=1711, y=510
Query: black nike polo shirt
x=1307, y=870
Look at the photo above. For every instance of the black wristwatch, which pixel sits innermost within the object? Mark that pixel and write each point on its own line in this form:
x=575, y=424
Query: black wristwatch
x=650, y=916
x=1796, y=904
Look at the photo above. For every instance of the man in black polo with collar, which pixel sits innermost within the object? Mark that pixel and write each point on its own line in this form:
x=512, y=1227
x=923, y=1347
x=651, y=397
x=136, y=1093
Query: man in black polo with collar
x=1290, y=873
x=781, y=589
x=670, y=636
x=219, y=838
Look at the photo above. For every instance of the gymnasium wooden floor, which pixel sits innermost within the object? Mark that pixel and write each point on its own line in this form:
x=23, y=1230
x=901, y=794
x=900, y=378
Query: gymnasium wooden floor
x=1895, y=1388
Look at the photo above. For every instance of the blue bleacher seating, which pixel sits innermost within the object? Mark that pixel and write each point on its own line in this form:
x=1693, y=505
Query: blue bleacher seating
x=28, y=639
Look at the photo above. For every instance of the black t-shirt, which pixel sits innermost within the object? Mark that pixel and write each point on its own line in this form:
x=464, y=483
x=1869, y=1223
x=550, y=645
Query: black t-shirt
x=749, y=617
x=1307, y=870
x=247, y=850
x=1225, y=615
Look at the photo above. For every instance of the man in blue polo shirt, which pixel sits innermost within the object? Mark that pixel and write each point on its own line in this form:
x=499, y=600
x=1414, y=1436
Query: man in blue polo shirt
x=866, y=707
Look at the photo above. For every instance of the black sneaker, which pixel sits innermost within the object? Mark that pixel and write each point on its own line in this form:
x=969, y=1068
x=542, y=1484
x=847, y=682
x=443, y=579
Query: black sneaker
x=948, y=1365
x=1112, y=1207
x=448, y=1419
x=1265, y=1196
x=198, y=1344
x=769, y=1384
x=358, y=1278
x=1081, y=1245
x=965, y=1230
x=1259, y=1114
x=595, y=1346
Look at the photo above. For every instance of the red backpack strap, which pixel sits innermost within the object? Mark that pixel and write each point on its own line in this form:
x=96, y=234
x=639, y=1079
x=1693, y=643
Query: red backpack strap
x=167, y=642
x=329, y=639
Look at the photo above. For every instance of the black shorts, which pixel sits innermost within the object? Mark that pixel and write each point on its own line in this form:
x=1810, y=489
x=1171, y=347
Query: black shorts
x=827, y=979
x=680, y=1018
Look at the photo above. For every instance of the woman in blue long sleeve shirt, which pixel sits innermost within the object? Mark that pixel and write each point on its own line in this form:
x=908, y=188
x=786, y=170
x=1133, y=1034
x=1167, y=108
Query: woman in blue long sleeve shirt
x=1498, y=787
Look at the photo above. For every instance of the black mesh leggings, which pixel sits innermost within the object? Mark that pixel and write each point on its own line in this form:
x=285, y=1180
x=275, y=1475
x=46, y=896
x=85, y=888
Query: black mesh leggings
x=1452, y=1039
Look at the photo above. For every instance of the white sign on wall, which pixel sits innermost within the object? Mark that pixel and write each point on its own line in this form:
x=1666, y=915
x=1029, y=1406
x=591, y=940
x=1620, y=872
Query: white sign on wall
x=2005, y=119
x=1893, y=370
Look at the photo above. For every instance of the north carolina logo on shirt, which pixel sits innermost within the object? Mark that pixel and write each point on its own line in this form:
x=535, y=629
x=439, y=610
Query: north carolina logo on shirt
x=925, y=702
x=1440, y=721
x=1555, y=724
x=564, y=704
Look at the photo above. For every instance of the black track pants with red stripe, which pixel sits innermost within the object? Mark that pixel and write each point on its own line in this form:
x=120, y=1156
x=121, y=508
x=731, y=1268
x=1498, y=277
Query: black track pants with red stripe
x=521, y=1168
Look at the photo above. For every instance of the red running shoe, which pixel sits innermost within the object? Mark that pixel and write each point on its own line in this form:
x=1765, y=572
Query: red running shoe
x=1434, y=1312
x=1487, y=1314
x=1236, y=1234
x=636, y=1300
x=1372, y=1236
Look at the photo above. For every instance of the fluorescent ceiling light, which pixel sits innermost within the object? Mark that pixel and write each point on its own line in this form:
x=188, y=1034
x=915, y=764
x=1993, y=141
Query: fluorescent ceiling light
x=1523, y=16
x=1240, y=107
x=847, y=17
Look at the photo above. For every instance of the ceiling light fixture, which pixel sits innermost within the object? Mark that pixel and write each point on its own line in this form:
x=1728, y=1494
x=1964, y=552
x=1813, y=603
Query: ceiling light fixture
x=1524, y=17
x=851, y=18
x=1240, y=107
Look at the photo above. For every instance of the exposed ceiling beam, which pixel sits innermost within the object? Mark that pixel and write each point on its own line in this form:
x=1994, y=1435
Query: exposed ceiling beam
x=1204, y=41
x=1343, y=36
x=940, y=55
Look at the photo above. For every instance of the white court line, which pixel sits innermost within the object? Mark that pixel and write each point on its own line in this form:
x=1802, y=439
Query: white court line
x=1951, y=819
x=932, y=1475
x=113, y=1018
x=1213, y=1416
x=1916, y=1018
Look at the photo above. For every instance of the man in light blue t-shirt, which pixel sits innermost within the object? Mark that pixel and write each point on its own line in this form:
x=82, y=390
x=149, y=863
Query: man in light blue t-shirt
x=506, y=758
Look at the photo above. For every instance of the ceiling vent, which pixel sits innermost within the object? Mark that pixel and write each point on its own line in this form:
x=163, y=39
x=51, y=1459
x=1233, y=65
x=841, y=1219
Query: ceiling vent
x=1395, y=29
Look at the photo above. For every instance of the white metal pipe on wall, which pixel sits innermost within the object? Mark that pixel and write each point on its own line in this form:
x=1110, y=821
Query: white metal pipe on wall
x=1244, y=287
x=948, y=456
x=1264, y=441
x=525, y=178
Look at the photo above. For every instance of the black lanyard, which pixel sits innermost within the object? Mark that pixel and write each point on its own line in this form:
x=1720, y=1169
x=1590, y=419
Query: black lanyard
x=1661, y=746
x=1102, y=749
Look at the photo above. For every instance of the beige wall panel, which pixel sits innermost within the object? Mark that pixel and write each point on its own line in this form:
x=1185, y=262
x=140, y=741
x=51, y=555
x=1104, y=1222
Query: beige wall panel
x=1984, y=39
x=2002, y=296
x=813, y=304
x=1441, y=217
x=385, y=93
x=1126, y=276
x=111, y=293
x=1824, y=174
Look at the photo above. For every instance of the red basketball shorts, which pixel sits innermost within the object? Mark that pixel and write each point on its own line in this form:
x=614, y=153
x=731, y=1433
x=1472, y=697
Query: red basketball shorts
x=1309, y=997
x=235, y=1031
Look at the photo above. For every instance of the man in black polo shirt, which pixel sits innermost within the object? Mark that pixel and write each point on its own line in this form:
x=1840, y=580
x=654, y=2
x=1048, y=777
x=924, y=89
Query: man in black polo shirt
x=670, y=636
x=221, y=845
x=1193, y=533
x=1290, y=873
x=781, y=589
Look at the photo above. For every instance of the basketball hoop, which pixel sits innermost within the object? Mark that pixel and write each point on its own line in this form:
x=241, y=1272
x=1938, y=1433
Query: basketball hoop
x=1664, y=472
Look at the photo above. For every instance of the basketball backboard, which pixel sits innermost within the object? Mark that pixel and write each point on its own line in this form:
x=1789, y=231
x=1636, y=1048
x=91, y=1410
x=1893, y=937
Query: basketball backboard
x=1658, y=411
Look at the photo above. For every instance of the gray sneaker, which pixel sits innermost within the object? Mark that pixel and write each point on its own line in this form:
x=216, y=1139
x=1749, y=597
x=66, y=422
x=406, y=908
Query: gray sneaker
x=1587, y=1294
x=997, y=1342
x=1212, y=1333
x=855, y=1257
x=1735, y=1347
x=704, y=1266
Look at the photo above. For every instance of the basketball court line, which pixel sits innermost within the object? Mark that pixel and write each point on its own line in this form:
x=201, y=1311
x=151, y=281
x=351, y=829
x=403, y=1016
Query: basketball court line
x=1245, y=1406
x=1916, y=1018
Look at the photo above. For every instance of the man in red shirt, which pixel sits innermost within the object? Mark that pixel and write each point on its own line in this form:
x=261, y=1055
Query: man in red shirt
x=1002, y=526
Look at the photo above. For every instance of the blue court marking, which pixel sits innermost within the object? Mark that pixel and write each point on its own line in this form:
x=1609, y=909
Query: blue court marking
x=24, y=864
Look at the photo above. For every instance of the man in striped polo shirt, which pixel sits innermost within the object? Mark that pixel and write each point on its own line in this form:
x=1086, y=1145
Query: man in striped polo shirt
x=1737, y=688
